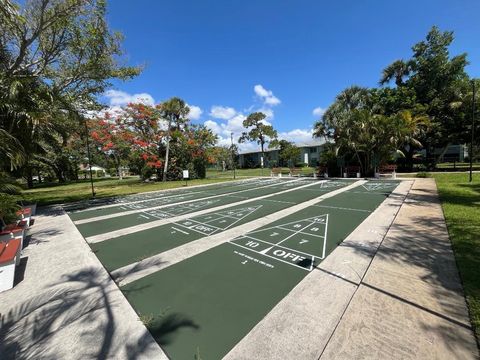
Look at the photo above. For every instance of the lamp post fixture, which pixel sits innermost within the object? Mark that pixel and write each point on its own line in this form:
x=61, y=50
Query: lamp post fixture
x=473, y=129
x=89, y=158
x=233, y=156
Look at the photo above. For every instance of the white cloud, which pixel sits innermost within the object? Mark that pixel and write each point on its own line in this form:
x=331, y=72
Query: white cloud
x=297, y=136
x=195, y=112
x=268, y=113
x=224, y=130
x=318, y=111
x=266, y=95
x=222, y=112
x=122, y=98
x=212, y=125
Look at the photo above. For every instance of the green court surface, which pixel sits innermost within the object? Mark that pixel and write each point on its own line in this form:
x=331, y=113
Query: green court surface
x=209, y=302
x=221, y=197
x=148, y=200
x=127, y=249
x=144, y=216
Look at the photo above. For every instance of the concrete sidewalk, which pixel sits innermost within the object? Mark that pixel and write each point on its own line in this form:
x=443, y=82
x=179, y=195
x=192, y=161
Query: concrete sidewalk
x=410, y=303
x=65, y=305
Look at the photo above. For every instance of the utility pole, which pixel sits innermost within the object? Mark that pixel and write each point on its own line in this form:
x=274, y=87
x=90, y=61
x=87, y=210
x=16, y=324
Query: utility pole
x=89, y=159
x=473, y=129
x=233, y=155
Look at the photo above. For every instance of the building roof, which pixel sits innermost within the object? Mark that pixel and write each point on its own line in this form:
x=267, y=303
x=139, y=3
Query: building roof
x=314, y=142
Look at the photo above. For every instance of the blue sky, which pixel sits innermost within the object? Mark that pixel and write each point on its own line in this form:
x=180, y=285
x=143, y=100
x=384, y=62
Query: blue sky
x=287, y=58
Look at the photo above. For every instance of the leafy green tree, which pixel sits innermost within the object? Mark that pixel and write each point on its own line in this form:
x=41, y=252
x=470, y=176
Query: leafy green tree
x=357, y=125
x=258, y=131
x=288, y=152
x=56, y=56
x=437, y=81
x=397, y=71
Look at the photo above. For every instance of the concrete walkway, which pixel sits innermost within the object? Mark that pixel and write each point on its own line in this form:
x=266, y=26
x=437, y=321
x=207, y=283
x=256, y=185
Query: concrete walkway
x=410, y=303
x=65, y=305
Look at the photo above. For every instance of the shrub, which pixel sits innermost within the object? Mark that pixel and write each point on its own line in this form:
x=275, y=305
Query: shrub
x=423, y=174
x=199, y=166
x=147, y=172
x=8, y=208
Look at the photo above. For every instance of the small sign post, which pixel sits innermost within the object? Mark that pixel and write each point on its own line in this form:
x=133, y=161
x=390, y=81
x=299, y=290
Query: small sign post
x=185, y=176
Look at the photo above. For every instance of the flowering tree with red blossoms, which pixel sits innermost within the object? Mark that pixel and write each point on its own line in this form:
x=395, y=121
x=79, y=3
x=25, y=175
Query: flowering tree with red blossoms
x=112, y=139
x=140, y=133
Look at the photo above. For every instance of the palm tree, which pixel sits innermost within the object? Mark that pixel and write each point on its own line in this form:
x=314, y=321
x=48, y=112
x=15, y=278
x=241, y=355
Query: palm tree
x=175, y=112
x=397, y=70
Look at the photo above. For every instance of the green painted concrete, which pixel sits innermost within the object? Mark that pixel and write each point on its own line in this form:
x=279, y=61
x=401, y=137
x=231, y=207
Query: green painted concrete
x=209, y=302
x=118, y=252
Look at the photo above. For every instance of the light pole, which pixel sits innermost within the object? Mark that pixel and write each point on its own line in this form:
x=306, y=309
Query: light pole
x=89, y=159
x=473, y=129
x=233, y=155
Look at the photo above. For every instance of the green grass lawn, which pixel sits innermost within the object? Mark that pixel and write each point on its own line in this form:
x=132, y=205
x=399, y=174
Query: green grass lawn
x=461, y=206
x=253, y=172
x=46, y=194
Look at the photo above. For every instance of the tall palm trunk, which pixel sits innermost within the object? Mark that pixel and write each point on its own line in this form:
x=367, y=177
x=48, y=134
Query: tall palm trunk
x=165, y=166
x=262, y=160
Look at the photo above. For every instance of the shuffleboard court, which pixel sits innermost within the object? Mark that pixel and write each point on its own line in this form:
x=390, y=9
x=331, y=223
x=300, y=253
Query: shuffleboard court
x=148, y=200
x=207, y=303
x=122, y=221
x=124, y=250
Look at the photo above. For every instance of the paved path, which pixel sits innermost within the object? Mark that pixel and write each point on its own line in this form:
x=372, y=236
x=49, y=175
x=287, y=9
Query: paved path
x=66, y=306
x=410, y=303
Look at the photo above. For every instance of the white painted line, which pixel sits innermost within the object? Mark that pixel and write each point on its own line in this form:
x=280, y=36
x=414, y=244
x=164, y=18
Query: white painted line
x=342, y=208
x=325, y=238
x=269, y=243
x=286, y=262
x=109, y=216
x=300, y=232
x=157, y=262
x=295, y=233
x=184, y=232
x=153, y=224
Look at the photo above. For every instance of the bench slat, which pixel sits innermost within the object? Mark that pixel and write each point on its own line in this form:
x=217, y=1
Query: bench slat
x=10, y=251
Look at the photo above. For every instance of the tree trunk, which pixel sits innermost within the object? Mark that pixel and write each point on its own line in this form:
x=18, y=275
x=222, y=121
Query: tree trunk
x=119, y=168
x=167, y=151
x=29, y=177
x=360, y=161
x=409, y=158
x=262, y=160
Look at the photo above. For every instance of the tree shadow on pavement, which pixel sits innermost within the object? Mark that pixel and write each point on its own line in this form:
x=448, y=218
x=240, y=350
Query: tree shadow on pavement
x=29, y=329
x=417, y=254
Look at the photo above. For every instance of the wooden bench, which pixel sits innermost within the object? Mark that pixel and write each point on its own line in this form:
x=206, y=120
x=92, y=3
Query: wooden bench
x=276, y=172
x=25, y=214
x=9, y=259
x=387, y=170
x=353, y=171
x=14, y=231
x=295, y=171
